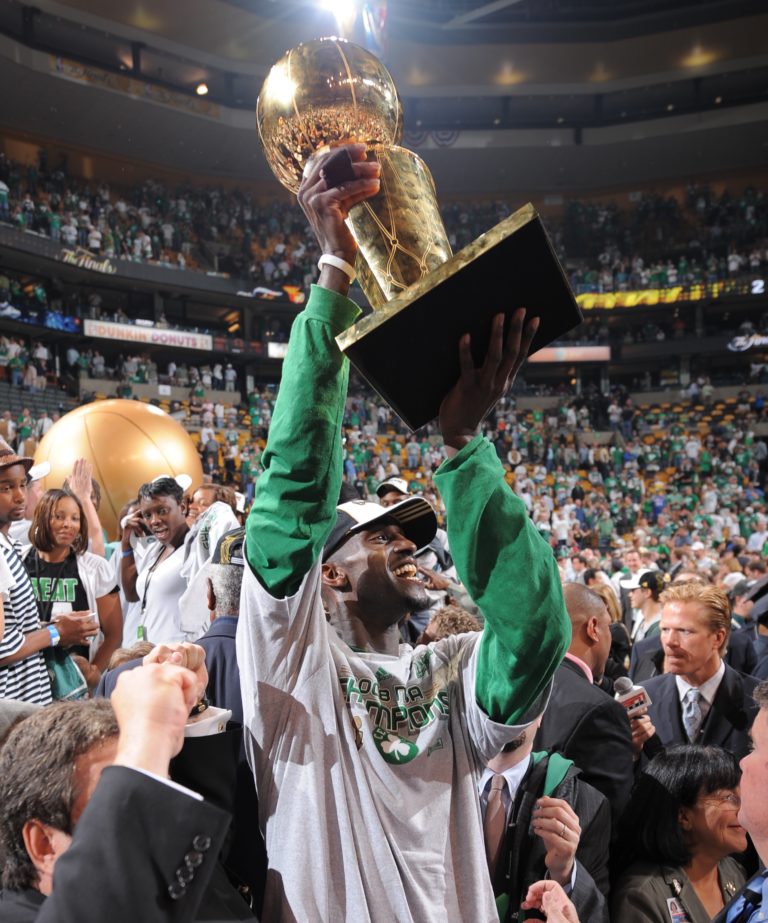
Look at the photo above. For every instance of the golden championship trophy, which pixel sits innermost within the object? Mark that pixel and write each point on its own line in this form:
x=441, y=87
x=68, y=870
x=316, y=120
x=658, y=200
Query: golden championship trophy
x=330, y=92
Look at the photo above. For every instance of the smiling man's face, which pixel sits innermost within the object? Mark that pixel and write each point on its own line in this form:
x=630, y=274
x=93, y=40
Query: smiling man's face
x=381, y=572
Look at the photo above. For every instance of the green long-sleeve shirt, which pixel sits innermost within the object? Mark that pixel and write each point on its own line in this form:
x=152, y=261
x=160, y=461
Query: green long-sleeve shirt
x=507, y=568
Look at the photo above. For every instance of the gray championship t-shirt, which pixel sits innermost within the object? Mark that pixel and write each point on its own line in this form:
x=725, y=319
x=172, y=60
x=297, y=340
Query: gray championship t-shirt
x=366, y=767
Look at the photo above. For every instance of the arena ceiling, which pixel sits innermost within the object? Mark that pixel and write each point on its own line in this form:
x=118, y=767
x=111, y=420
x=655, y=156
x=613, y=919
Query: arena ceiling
x=247, y=29
x=530, y=93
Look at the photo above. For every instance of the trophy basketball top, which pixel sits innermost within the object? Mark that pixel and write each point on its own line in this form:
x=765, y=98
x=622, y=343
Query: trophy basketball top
x=322, y=94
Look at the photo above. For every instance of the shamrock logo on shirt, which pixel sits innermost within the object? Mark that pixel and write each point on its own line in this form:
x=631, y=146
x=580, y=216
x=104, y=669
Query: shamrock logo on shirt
x=393, y=748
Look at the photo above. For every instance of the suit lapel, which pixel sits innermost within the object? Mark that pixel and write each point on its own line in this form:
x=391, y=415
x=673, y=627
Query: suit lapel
x=670, y=722
x=726, y=713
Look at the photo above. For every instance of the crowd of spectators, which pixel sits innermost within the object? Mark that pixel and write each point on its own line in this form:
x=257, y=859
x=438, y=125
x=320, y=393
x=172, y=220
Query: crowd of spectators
x=655, y=242
x=661, y=477
x=335, y=709
x=27, y=363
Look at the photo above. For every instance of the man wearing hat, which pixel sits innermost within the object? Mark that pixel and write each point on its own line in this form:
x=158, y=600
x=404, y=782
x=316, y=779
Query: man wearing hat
x=644, y=591
x=366, y=752
x=435, y=557
x=22, y=668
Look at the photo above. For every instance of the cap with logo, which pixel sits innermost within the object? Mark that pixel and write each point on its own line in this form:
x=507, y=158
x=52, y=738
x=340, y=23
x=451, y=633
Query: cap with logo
x=229, y=548
x=392, y=485
x=652, y=580
x=414, y=515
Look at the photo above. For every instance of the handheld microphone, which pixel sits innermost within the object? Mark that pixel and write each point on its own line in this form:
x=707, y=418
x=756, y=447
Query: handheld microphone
x=633, y=698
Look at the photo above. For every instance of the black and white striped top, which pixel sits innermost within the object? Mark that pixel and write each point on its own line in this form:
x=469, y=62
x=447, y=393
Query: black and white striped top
x=25, y=679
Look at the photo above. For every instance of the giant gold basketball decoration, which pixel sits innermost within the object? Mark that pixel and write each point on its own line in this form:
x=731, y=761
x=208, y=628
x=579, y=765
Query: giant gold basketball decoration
x=127, y=442
x=322, y=94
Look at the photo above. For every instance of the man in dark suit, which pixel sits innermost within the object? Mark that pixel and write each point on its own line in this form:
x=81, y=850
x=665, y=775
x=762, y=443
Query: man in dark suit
x=90, y=831
x=583, y=722
x=751, y=903
x=699, y=699
x=647, y=658
x=555, y=826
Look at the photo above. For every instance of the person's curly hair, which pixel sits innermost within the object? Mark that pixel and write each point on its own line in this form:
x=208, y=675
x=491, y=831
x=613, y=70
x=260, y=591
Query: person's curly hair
x=452, y=620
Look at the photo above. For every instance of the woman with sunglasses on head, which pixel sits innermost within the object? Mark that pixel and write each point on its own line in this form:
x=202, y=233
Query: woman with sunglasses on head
x=155, y=581
x=67, y=579
x=676, y=839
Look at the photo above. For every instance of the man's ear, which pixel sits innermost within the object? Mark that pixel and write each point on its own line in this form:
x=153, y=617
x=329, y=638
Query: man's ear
x=44, y=844
x=683, y=819
x=211, y=595
x=334, y=575
x=592, y=629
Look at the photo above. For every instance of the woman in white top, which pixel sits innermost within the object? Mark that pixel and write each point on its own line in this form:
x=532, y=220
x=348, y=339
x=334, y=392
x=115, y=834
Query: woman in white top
x=156, y=583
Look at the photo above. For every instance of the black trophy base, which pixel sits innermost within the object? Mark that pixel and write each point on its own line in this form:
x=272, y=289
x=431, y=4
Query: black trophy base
x=409, y=349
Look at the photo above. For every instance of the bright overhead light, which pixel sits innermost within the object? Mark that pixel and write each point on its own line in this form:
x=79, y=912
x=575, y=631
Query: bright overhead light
x=670, y=107
x=508, y=75
x=699, y=57
x=718, y=100
x=344, y=12
x=201, y=89
x=600, y=74
x=418, y=77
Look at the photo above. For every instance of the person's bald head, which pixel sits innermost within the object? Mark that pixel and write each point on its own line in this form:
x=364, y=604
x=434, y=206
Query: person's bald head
x=581, y=604
x=591, y=626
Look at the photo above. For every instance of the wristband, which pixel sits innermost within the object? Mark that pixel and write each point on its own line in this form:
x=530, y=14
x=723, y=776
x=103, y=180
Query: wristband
x=53, y=631
x=127, y=552
x=328, y=259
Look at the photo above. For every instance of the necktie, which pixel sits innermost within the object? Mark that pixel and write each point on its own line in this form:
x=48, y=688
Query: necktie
x=748, y=902
x=495, y=821
x=691, y=714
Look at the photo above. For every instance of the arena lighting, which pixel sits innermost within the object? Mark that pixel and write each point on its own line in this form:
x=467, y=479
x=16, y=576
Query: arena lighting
x=344, y=12
x=600, y=74
x=508, y=75
x=417, y=77
x=699, y=57
x=201, y=89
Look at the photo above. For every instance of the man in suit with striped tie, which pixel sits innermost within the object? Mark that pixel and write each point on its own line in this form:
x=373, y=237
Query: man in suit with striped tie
x=699, y=699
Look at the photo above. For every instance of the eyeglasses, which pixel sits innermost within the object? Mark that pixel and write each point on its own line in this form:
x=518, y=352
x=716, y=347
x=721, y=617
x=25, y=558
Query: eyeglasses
x=719, y=799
